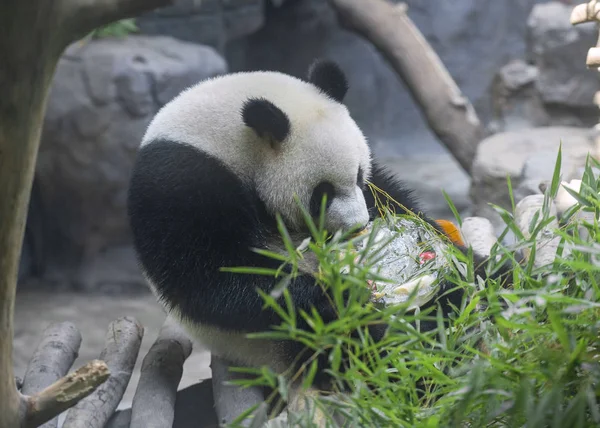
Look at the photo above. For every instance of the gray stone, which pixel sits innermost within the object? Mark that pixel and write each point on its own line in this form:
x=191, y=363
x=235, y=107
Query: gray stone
x=538, y=168
x=473, y=38
x=517, y=74
x=210, y=22
x=559, y=50
x=242, y=21
x=514, y=154
x=517, y=103
x=429, y=176
x=134, y=91
x=183, y=7
x=103, y=96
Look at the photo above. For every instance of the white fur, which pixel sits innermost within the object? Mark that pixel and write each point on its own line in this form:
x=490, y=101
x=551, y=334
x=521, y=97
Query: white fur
x=232, y=346
x=324, y=144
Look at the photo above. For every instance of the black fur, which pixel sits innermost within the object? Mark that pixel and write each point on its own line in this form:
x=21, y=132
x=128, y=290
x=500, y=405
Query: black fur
x=267, y=120
x=324, y=188
x=329, y=77
x=190, y=216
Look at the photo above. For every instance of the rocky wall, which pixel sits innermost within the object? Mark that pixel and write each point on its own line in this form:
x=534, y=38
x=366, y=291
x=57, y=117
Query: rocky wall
x=550, y=85
x=474, y=38
x=103, y=96
x=519, y=61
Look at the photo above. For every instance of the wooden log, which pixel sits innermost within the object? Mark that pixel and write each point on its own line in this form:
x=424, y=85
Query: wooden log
x=34, y=35
x=446, y=109
x=154, y=401
x=63, y=394
x=52, y=360
x=123, y=340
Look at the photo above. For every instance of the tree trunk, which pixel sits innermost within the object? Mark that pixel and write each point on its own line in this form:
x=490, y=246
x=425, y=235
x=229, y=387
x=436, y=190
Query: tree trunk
x=33, y=35
x=447, y=111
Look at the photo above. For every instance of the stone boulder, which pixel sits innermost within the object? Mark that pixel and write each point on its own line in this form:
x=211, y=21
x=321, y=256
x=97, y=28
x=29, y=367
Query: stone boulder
x=528, y=157
x=517, y=104
x=210, y=22
x=559, y=50
x=551, y=84
x=473, y=39
x=104, y=94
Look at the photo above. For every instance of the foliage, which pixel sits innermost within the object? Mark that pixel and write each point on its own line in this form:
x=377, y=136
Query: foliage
x=118, y=29
x=523, y=356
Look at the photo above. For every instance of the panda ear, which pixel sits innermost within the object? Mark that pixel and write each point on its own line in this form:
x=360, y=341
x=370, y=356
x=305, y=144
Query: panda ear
x=329, y=77
x=266, y=119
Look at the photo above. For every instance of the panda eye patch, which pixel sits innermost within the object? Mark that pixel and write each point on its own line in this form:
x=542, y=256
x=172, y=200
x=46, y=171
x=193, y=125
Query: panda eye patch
x=324, y=188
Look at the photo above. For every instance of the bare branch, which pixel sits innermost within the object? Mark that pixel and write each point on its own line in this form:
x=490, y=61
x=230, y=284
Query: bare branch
x=448, y=112
x=154, y=400
x=52, y=360
x=53, y=357
x=83, y=16
x=123, y=340
x=34, y=35
x=63, y=394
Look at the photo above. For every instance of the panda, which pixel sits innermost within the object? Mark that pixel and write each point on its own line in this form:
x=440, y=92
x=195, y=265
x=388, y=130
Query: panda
x=215, y=167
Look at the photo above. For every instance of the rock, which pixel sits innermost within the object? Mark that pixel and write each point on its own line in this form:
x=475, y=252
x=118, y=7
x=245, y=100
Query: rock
x=516, y=102
x=559, y=50
x=528, y=157
x=518, y=74
x=104, y=94
x=473, y=39
x=478, y=233
x=553, y=87
x=537, y=168
x=429, y=175
x=210, y=22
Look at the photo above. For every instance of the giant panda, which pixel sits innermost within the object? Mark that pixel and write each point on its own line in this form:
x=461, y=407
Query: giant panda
x=215, y=167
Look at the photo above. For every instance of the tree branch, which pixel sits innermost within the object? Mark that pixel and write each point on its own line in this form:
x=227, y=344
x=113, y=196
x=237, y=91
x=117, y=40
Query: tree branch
x=52, y=360
x=60, y=396
x=123, y=340
x=34, y=35
x=447, y=111
x=154, y=400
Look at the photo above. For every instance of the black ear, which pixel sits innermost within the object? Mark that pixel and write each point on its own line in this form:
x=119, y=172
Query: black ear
x=329, y=77
x=267, y=120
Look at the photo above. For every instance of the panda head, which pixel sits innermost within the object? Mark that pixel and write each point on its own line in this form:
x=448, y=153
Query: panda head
x=310, y=146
